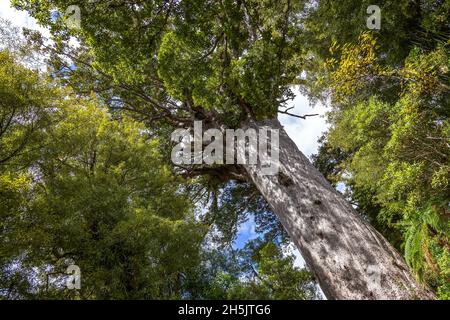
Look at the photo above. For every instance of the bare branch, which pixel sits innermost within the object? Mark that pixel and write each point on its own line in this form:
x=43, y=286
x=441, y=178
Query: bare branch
x=296, y=115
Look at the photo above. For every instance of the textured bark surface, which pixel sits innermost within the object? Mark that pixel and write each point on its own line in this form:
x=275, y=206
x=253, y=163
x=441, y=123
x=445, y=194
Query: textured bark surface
x=350, y=259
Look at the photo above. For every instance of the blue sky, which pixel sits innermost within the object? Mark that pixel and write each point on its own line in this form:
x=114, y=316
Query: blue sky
x=246, y=231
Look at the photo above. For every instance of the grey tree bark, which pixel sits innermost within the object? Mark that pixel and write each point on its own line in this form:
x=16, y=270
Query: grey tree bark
x=349, y=258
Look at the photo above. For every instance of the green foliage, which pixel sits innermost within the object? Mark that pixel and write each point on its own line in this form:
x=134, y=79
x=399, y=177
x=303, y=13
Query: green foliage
x=259, y=271
x=404, y=24
x=89, y=190
x=236, y=58
x=234, y=203
x=418, y=237
x=22, y=107
x=444, y=267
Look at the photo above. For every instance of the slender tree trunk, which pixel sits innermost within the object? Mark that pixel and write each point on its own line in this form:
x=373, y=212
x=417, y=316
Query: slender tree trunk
x=350, y=259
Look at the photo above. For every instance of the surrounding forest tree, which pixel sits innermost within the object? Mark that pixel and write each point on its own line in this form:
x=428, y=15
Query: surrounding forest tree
x=233, y=63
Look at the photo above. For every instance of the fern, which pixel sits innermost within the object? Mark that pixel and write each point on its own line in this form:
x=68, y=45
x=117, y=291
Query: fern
x=417, y=239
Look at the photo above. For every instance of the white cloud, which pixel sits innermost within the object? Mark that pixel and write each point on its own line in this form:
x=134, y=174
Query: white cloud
x=305, y=133
x=291, y=249
x=20, y=18
x=248, y=228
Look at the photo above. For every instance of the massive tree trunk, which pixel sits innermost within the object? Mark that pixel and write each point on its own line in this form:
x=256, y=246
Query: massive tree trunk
x=350, y=259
